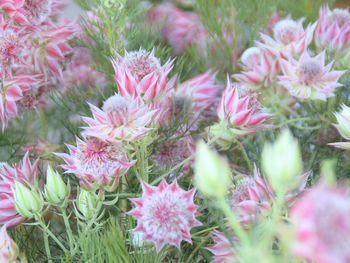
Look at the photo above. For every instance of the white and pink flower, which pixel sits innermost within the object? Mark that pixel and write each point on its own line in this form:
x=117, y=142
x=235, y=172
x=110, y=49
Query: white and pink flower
x=120, y=119
x=97, y=164
x=165, y=214
x=309, y=77
x=8, y=247
x=223, y=249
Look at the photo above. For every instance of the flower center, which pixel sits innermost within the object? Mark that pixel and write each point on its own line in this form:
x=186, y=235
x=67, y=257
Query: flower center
x=9, y=48
x=37, y=10
x=285, y=31
x=141, y=63
x=310, y=70
x=115, y=105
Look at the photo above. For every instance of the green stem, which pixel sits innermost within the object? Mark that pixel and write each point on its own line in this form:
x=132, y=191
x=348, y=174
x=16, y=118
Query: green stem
x=47, y=230
x=245, y=155
x=69, y=230
x=47, y=246
x=43, y=123
x=235, y=225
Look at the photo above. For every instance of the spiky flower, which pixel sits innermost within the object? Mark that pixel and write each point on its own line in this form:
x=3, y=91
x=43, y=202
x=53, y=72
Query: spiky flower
x=25, y=173
x=223, y=250
x=259, y=68
x=240, y=110
x=165, y=214
x=120, y=119
x=333, y=29
x=289, y=37
x=97, y=164
x=321, y=220
x=252, y=197
x=309, y=78
x=139, y=73
x=343, y=126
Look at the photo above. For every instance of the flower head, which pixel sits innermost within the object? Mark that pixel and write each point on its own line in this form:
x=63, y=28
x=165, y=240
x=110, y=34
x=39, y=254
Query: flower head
x=309, y=78
x=97, y=164
x=25, y=173
x=140, y=74
x=165, y=214
x=241, y=111
x=321, y=219
x=290, y=38
x=120, y=119
x=333, y=29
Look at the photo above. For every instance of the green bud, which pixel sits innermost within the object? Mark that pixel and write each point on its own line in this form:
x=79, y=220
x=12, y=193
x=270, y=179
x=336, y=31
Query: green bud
x=56, y=192
x=282, y=162
x=88, y=203
x=27, y=202
x=212, y=172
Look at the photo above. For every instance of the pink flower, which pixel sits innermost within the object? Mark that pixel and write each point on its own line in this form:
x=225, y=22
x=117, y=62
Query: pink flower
x=333, y=29
x=240, y=110
x=290, y=38
x=173, y=153
x=25, y=173
x=8, y=247
x=252, y=196
x=12, y=91
x=139, y=73
x=120, y=119
x=260, y=69
x=321, y=219
x=343, y=127
x=309, y=78
x=165, y=214
x=223, y=250
x=30, y=12
x=97, y=164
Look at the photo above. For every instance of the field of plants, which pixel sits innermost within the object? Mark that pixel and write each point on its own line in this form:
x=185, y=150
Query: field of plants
x=175, y=131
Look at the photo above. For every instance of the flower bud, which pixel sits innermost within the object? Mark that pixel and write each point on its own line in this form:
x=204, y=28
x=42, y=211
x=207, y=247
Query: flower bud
x=222, y=134
x=88, y=203
x=8, y=248
x=343, y=118
x=212, y=173
x=56, y=192
x=282, y=161
x=27, y=202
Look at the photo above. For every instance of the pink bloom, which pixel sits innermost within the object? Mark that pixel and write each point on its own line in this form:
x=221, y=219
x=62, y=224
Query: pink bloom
x=173, y=153
x=30, y=12
x=333, y=29
x=290, y=38
x=260, y=69
x=25, y=173
x=52, y=47
x=120, y=119
x=321, y=219
x=253, y=197
x=223, y=250
x=12, y=91
x=309, y=78
x=139, y=73
x=201, y=91
x=97, y=164
x=8, y=248
x=165, y=214
x=240, y=110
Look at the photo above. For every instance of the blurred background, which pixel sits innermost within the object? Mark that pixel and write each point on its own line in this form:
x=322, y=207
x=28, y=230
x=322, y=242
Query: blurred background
x=72, y=9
